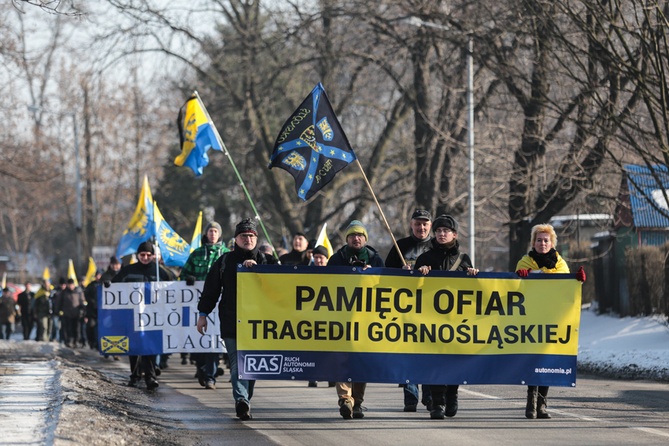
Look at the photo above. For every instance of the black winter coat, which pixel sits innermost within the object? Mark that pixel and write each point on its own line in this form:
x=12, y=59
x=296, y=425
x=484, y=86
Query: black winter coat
x=225, y=286
x=441, y=258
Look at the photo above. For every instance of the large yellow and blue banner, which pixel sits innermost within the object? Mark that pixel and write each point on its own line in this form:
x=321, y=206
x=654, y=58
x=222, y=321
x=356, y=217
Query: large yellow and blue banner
x=153, y=318
x=395, y=326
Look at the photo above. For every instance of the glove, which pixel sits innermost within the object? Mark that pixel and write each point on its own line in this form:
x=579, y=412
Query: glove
x=523, y=272
x=190, y=280
x=106, y=283
x=580, y=274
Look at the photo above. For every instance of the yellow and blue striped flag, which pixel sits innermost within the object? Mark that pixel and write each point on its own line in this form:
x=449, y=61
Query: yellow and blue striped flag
x=197, y=134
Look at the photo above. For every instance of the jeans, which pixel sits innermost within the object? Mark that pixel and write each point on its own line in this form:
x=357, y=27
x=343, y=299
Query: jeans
x=207, y=364
x=411, y=394
x=242, y=389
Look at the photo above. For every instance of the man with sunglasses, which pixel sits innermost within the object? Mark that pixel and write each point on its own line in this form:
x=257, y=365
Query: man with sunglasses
x=143, y=271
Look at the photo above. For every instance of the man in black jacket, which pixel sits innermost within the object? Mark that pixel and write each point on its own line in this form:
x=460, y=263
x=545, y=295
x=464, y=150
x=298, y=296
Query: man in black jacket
x=221, y=282
x=145, y=270
x=411, y=247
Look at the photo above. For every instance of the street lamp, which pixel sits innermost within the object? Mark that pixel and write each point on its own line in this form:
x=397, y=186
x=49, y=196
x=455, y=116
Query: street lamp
x=415, y=21
x=78, y=224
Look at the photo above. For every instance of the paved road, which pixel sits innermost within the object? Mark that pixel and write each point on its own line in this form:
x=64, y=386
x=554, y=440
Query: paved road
x=596, y=412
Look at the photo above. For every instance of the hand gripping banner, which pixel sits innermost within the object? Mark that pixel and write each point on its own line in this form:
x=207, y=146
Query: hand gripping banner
x=395, y=326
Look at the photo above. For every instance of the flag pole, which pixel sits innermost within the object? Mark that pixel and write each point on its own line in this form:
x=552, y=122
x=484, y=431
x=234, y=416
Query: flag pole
x=383, y=217
x=234, y=167
x=156, y=248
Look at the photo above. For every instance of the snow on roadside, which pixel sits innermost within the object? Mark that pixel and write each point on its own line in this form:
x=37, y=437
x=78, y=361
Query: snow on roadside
x=624, y=348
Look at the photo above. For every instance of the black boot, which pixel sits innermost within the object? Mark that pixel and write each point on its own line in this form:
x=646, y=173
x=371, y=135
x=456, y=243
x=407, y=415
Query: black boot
x=437, y=412
x=531, y=408
x=451, y=401
x=542, y=403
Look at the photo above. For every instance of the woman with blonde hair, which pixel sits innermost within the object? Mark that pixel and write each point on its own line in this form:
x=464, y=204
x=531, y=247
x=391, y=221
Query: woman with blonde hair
x=542, y=258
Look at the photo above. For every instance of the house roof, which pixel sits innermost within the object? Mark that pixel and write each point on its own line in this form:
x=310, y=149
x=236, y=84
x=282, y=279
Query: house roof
x=647, y=202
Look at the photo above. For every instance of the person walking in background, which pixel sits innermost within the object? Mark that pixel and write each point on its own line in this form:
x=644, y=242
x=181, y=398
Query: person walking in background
x=91, y=312
x=444, y=255
x=299, y=255
x=25, y=301
x=411, y=247
x=143, y=271
x=542, y=258
x=112, y=269
x=7, y=314
x=42, y=310
x=221, y=282
x=55, y=323
x=70, y=310
x=196, y=268
x=355, y=252
x=320, y=258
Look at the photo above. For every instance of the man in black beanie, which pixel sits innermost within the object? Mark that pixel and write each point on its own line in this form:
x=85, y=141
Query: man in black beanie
x=145, y=270
x=221, y=282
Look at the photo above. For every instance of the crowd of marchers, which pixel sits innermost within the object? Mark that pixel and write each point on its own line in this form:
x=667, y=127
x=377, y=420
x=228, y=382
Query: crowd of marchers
x=68, y=314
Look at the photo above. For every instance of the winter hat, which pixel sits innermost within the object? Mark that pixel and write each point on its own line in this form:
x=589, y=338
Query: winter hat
x=114, y=260
x=320, y=249
x=421, y=214
x=146, y=246
x=214, y=225
x=356, y=227
x=246, y=226
x=445, y=221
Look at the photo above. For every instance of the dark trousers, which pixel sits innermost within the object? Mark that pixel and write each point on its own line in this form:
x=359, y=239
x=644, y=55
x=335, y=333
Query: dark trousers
x=27, y=326
x=6, y=330
x=145, y=364
x=70, y=330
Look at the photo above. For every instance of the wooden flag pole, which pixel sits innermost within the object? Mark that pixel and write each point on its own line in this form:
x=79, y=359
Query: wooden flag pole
x=234, y=167
x=383, y=217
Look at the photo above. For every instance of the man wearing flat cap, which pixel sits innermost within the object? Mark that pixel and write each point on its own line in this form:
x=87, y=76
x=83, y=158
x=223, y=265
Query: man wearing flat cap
x=411, y=247
x=221, y=282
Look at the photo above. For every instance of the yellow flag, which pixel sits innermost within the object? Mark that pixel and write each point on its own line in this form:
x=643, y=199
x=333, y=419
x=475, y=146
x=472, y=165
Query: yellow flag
x=70, y=272
x=90, y=273
x=141, y=226
x=46, y=274
x=196, y=241
x=324, y=241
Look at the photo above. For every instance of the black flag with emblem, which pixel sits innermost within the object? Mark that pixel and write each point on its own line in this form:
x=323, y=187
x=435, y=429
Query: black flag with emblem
x=311, y=145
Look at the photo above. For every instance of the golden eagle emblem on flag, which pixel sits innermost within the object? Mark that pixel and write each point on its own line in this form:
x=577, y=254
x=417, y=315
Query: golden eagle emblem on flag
x=114, y=344
x=295, y=160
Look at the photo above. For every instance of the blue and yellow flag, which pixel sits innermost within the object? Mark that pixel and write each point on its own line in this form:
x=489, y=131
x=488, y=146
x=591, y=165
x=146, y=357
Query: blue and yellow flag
x=312, y=145
x=141, y=227
x=197, y=135
x=173, y=249
x=196, y=241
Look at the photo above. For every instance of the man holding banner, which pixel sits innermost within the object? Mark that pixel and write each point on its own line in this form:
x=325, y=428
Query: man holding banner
x=410, y=248
x=445, y=255
x=143, y=271
x=354, y=253
x=221, y=282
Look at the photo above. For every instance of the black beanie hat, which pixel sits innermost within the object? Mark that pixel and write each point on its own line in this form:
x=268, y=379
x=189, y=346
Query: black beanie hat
x=445, y=221
x=248, y=225
x=146, y=246
x=320, y=249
